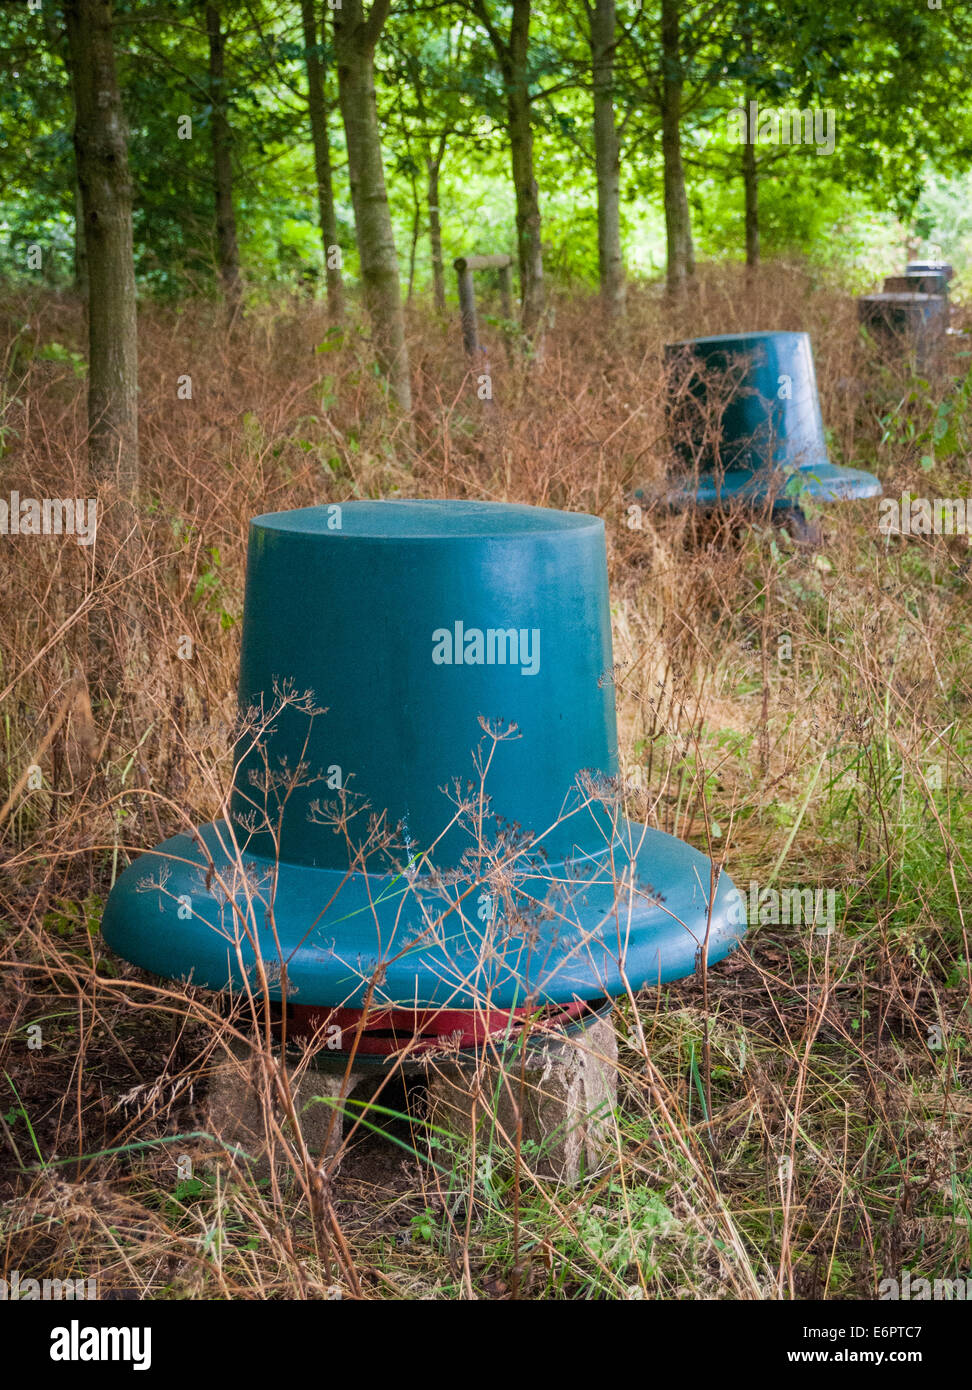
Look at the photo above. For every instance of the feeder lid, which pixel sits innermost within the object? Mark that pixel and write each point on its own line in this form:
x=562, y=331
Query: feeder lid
x=415, y=519
x=900, y=297
x=917, y=281
x=904, y=311
x=930, y=267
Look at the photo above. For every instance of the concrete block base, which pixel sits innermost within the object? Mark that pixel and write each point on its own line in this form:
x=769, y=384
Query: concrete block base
x=562, y=1096
x=241, y=1095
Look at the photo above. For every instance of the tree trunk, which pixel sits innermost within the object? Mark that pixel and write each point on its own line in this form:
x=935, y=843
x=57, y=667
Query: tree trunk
x=413, y=245
x=529, y=249
x=355, y=40
x=751, y=185
x=317, y=109
x=750, y=169
x=80, y=249
x=101, y=152
x=433, y=164
x=607, y=159
x=678, y=224
x=227, y=248
x=58, y=44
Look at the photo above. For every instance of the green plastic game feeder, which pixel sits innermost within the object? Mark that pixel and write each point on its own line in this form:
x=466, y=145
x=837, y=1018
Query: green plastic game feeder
x=425, y=806
x=746, y=426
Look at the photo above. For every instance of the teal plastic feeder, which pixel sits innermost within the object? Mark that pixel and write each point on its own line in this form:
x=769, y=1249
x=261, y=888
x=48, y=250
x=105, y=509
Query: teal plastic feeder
x=906, y=321
x=746, y=423
x=917, y=282
x=425, y=801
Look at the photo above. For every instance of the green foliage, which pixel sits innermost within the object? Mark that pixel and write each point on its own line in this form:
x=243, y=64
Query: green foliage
x=892, y=76
x=209, y=591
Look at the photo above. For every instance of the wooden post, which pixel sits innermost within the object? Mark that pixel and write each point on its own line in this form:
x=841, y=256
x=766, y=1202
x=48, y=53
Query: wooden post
x=467, y=308
x=465, y=265
x=506, y=288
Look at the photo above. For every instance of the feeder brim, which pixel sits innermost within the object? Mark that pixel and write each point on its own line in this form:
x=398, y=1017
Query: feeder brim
x=930, y=268
x=635, y=913
x=820, y=482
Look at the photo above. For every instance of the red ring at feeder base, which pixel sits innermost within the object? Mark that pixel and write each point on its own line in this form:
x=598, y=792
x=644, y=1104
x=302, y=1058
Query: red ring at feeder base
x=388, y=1031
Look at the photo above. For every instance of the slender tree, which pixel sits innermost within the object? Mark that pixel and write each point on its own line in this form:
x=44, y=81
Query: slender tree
x=429, y=110
x=434, y=108
x=433, y=166
x=750, y=169
x=678, y=222
x=512, y=54
x=227, y=247
x=314, y=45
x=602, y=33
x=101, y=150
x=356, y=37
